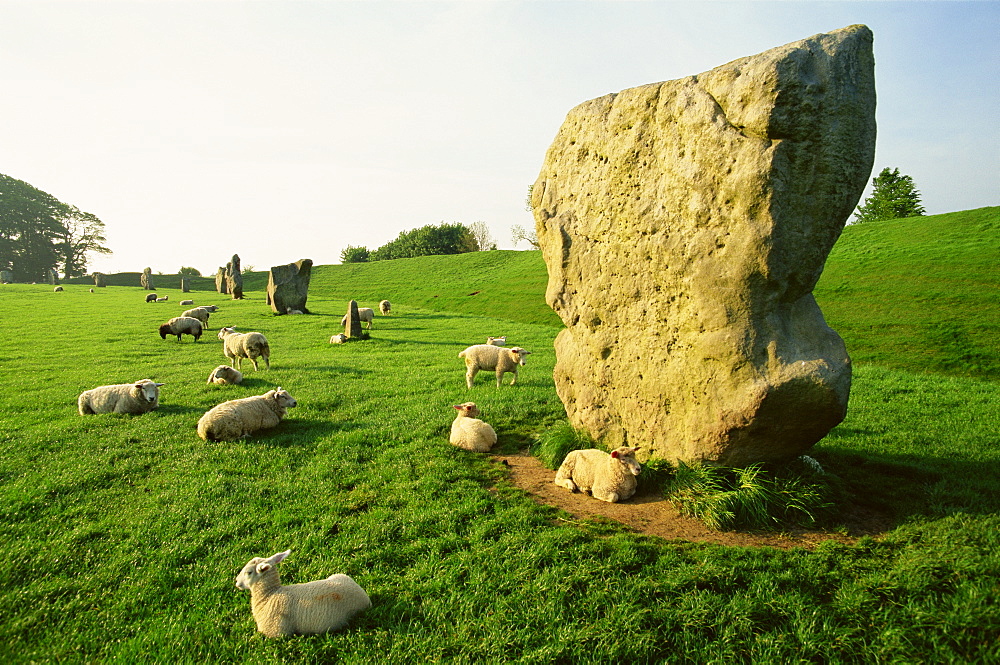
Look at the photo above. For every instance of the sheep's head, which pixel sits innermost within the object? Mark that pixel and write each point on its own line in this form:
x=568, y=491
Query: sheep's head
x=468, y=410
x=626, y=456
x=146, y=390
x=256, y=567
x=518, y=354
x=282, y=397
x=165, y=330
x=224, y=332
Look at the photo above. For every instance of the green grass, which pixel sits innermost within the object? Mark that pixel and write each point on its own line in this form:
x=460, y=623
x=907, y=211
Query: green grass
x=123, y=535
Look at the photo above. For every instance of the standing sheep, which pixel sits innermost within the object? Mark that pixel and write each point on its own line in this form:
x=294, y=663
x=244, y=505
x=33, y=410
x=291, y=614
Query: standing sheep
x=252, y=345
x=181, y=325
x=305, y=609
x=150, y=297
x=385, y=307
x=242, y=417
x=200, y=313
x=224, y=374
x=139, y=397
x=608, y=477
x=494, y=358
x=365, y=314
x=470, y=433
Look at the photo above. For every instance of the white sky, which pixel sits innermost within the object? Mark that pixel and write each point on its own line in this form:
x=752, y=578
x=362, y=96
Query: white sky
x=282, y=130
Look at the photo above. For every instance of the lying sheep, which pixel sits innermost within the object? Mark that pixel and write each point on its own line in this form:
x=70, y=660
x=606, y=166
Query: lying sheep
x=497, y=341
x=339, y=338
x=364, y=314
x=385, y=307
x=139, y=397
x=211, y=308
x=608, y=477
x=242, y=417
x=57, y=289
x=252, y=345
x=200, y=313
x=309, y=608
x=151, y=297
x=495, y=358
x=224, y=374
x=186, y=303
x=181, y=325
x=470, y=433
x=163, y=299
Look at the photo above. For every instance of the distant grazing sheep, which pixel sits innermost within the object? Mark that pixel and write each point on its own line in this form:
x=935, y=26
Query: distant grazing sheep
x=304, y=609
x=364, y=314
x=470, y=433
x=139, y=397
x=252, y=345
x=186, y=303
x=608, y=477
x=163, y=299
x=57, y=289
x=181, y=325
x=200, y=313
x=242, y=417
x=211, y=308
x=224, y=374
x=150, y=297
x=494, y=358
x=385, y=307
x=497, y=341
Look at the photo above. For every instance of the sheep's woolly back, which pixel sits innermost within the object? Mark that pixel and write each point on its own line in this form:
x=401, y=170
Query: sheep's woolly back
x=224, y=374
x=252, y=345
x=241, y=417
x=139, y=397
x=181, y=325
x=492, y=358
x=365, y=315
x=470, y=433
x=199, y=313
x=608, y=477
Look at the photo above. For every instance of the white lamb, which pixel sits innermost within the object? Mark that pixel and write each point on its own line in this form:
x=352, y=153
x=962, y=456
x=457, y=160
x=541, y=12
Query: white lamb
x=224, y=374
x=309, y=608
x=470, y=433
x=339, y=338
x=608, y=477
x=493, y=358
x=385, y=307
x=497, y=341
x=186, y=303
x=242, y=417
x=200, y=313
x=163, y=299
x=365, y=314
x=139, y=397
x=252, y=345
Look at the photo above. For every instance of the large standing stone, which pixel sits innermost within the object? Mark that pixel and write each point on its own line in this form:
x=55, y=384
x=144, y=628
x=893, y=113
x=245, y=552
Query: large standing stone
x=288, y=286
x=684, y=225
x=220, y=281
x=234, y=278
x=146, y=279
x=185, y=284
x=53, y=276
x=99, y=281
x=6, y=276
x=352, y=326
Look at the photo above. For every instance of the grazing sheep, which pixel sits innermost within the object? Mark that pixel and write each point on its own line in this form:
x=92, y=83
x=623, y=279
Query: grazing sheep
x=92, y=290
x=252, y=345
x=497, y=341
x=181, y=325
x=163, y=299
x=339, y=338
x=496, y=358
x=364, y=314
x=308, y=608
x=608, y=477
x=57, y=289
x=150, y=297
x=186, y=303
x=385, y=307
x=224, y=374
x=211, y=308
x=199, y=313
x=470, y=433
x=242, y=417
x=139, y=397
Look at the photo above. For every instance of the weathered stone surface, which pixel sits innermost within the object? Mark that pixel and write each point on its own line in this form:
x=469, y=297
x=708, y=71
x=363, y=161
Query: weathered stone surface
x=99, y=280
x=684, y=225
x=185, y=285
x=6, y=276
x=288, y=286
x=146, y=279
x=353, y=326
x=53, y=276
x=220, y=281
x=234, y=278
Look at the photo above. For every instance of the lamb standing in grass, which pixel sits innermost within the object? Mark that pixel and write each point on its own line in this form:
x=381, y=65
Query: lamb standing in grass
x=181, y=325
x=494, y=358
x=139, y=397
x=251, y=345
x=608, y=477
x=309, y=608
x=224, y=374
x=200, y=313
x=365, y=314
x=385, y=307
x=242, y=417
x=470, y=433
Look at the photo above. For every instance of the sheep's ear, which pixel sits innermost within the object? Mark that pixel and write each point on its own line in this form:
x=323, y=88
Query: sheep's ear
x=457, y=406
x=263, y=567
x=614, y=454
x=279, y=557
x=159, y=384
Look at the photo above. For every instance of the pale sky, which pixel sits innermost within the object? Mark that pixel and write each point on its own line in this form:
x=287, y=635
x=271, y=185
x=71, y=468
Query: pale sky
x=282, y=130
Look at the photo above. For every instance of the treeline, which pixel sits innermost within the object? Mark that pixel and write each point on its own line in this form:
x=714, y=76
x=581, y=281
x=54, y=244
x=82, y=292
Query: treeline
x=430, y=240
x=39, y=233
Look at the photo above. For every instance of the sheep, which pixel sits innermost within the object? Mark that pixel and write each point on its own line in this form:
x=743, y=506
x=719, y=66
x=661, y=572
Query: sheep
x=470, y=433
x=57, y=289
x=385, y=307
x=289, y=310
x=608, y=477
x=498, y=359
x=151, y=297
x=252, y=345
x=308, y=608
x=181, y=325
x=339, y=338
x=92, y=290
x=224, y=374
x=364, y=314
x=238, y=418
x=497, y=341
x=199, y=313
x=163, y=299
x=186, y=303
x=139, y=397
x=211, y=308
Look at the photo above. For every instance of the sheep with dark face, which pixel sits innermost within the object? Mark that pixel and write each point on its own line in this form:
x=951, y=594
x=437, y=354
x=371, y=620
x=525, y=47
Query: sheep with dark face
x=151, y=297
x=139, y=397
x=181, y=325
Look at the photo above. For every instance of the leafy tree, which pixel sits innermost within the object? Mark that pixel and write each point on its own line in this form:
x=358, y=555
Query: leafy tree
x=351, y=254
x=186, y=270
x=428, y=240
x=30, y=230
x=83, y=233
x=893, y=196
x=518, y=233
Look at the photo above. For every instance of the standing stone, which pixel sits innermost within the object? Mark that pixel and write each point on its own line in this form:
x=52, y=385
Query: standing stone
x=234, y=278
x=288, y=286
x=185, y=285
x=53, y=276
x=684, y=225
x=99, y=280
x=352, y=328
x=220, y=281
x=6, y=277
x=146, y=279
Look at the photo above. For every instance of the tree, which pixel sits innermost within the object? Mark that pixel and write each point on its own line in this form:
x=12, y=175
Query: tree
x=186, y=270
x=518, y=234
x=83, y=233
x=30, y=229
x=428, y=240
x=481, y=233
x=893, y=196
x=351, y=254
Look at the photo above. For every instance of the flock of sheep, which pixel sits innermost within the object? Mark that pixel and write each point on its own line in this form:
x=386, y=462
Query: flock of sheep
x=324, y=605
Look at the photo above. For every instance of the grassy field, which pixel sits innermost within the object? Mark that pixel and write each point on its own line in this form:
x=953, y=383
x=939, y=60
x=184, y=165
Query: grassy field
x=123, y=534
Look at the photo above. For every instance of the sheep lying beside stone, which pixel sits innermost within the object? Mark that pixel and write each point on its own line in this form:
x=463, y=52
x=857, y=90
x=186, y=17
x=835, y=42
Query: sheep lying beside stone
x=494, y=358
x=224, y=374
x=339, y=338
x=242, y=417
x=470, y=433
x=304, y=609
x=139, y=397
x=200, y=313
x=385, y=307
x=608, y=477
x=497, y=341
x=181, y=325
x=365, y=314
x=252, y=345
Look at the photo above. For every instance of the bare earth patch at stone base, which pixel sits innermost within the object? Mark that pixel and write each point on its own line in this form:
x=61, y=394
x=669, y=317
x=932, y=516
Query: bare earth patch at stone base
x=651, y=515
